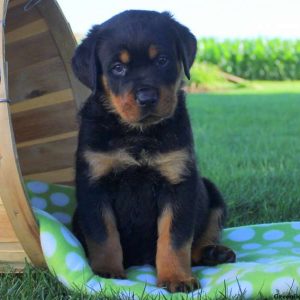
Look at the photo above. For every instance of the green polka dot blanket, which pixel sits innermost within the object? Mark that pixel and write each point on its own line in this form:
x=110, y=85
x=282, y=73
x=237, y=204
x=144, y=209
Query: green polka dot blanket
x=268, y=256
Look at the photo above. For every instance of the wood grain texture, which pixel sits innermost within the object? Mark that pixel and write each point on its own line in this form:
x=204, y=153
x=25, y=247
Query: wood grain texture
x=16, y=16
x=12, y=256
x=66, y=43
x=38, y=66
x=48, y=157
x=44, y=122
x=11, y=247
x=35, y=49
x=26, y=31
x=49, y=139
x=13, y=195
x=7, y=233
x=57, y=176
x=43, y=101
x=42, y=78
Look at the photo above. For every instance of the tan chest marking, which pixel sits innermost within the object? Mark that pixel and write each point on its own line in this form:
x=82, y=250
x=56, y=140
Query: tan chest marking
x=102, y=163
x=172, y=165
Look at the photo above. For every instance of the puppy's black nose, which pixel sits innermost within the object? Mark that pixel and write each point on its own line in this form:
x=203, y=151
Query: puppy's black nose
x=146, y=96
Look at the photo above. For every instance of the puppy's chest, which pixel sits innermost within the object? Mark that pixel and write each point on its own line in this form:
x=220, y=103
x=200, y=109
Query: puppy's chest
x=172, y=165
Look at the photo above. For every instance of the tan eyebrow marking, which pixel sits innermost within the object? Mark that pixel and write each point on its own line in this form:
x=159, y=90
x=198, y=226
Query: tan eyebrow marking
x=152, y=51
x=124, y=57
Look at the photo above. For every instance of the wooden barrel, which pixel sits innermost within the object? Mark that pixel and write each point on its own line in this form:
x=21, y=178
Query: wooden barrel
x=38, y=126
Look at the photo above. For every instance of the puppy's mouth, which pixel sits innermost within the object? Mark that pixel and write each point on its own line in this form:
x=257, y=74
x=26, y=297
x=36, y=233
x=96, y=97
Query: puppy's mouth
x=150, y=118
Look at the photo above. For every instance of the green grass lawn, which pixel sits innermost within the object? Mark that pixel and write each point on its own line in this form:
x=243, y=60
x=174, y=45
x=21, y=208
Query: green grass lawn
x=248, y=142
x=249, y=145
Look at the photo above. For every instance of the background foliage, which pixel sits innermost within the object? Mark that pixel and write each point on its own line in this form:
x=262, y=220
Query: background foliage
x=256, y=59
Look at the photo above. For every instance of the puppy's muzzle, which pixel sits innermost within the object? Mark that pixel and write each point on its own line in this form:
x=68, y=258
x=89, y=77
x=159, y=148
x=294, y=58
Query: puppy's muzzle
x=146, y=96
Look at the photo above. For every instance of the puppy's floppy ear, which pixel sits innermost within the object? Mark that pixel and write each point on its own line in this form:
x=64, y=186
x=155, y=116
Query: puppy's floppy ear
x=186, y=44
x=85, y=63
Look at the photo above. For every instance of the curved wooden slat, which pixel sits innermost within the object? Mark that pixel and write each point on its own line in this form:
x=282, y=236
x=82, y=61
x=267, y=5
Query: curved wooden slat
x=12, y=191
x=43, y=101
x=32, y=159
x=9, y=202
x=26, y=31
x=57, y=176
x=42, y=88
x=45, y=122
x=66, y=42
x=49, y=139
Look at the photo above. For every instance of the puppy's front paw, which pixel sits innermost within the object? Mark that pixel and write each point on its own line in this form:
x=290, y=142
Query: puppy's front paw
x=108, y=271
x=179, y=284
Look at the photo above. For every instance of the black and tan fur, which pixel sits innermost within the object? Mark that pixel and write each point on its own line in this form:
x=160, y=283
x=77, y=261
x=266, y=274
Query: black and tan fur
x=141, y=198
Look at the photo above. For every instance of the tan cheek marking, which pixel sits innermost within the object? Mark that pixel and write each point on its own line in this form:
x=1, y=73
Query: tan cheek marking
x=102, y=164
x=107, y=257
x=152, y=52
x=211, y=235
x=171, y=264
x=168, y=100
x=105, y=84
x=172, y=165
x=126, y=107
x=107, y=95
x=124, y=57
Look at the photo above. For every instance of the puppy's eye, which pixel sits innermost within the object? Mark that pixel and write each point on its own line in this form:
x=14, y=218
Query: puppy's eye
x=119, y=69
x=162, y=61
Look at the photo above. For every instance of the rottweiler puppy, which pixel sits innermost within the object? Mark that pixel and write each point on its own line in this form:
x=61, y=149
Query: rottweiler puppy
x=141, y=198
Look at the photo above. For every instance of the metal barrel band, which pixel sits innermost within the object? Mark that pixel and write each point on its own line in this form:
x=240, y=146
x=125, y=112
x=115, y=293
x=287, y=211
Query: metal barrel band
x=5, y=100
x=31, y=4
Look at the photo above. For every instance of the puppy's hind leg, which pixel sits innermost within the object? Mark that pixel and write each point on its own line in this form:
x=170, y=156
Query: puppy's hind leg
x=206, y=249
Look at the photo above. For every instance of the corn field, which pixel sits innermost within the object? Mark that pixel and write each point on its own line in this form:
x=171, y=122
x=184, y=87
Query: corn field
x=257, y=59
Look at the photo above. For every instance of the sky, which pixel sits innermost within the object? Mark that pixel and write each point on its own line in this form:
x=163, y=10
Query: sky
x=206, y=18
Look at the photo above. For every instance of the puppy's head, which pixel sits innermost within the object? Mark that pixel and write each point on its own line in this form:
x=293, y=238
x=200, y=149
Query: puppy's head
x=136, y=60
